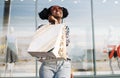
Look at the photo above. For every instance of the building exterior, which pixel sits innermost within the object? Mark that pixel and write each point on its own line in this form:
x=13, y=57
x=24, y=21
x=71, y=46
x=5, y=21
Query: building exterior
x=90, y=23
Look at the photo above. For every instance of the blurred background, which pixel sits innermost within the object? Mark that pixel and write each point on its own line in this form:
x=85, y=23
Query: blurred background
x=90, y=23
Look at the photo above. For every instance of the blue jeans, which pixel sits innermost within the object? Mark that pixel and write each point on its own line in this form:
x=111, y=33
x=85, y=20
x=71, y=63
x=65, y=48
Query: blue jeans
x=55, y=69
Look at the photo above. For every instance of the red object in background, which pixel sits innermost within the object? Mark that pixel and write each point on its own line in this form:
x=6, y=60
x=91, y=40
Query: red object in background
x=113, y=51
x=118, y=51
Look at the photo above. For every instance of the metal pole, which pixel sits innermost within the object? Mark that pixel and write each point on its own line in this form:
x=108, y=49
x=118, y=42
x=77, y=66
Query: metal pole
x=36, y=8
x=93, y=38
x=6, y=16
x=6, y=23
x=36, y=12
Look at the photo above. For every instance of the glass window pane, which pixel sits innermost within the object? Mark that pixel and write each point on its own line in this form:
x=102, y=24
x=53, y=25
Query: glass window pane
x=80, y=49
x=2, y=42
x=1, y=14
x=22, y=21
x=107, y=26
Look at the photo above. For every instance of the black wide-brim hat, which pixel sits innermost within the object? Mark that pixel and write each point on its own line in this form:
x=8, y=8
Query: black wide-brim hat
x=44, y=14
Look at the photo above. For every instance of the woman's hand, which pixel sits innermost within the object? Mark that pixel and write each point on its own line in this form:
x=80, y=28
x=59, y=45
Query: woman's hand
x=52, y=20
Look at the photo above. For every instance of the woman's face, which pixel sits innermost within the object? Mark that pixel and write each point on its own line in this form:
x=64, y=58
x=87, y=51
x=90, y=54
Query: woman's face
x=56, y=11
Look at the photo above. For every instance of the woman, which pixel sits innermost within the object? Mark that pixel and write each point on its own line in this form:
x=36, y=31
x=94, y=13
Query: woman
x=58, y=68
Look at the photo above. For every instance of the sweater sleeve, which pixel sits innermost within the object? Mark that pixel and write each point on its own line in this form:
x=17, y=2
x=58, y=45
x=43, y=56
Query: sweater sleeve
x=67, y=35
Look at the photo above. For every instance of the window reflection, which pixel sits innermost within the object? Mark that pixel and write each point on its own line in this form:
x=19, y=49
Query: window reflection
x=106, y=14
x=22, y=18
x=79, y=21
x=1, y=14
x=2, y=45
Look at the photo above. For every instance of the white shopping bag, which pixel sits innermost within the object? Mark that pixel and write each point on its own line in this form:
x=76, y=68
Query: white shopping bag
x=46, y=38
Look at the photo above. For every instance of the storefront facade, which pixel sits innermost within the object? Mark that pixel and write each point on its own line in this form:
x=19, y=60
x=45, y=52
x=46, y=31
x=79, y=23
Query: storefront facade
x=92, y=23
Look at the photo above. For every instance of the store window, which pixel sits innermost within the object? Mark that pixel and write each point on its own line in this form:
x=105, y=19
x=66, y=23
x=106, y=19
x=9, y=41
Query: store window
x=1, y=14
x=1, y=36
x=22, y=21
x=107, y=26
x=87, y=34
x=80, y=49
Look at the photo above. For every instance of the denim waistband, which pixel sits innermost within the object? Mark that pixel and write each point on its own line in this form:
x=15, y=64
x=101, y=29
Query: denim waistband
x=57, y=59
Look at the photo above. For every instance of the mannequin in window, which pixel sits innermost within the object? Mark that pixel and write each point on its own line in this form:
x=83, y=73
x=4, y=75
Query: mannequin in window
x=112, y=47
x=11, y=51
